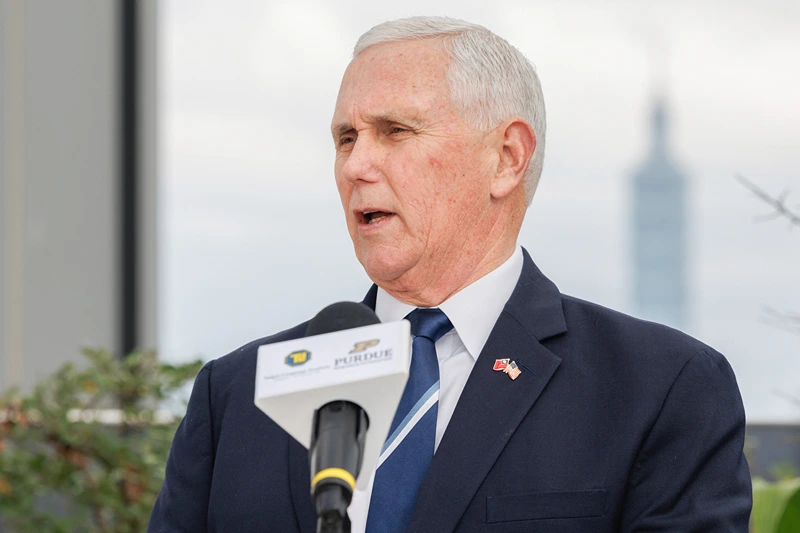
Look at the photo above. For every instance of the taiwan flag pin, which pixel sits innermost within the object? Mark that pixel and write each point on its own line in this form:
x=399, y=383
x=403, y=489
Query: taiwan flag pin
x=501, y=364
x=507, y=366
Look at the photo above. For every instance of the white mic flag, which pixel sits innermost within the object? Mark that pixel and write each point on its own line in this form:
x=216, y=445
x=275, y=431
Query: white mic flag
x=367, y=366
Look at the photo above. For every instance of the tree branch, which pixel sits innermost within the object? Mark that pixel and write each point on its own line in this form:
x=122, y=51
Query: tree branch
x=778, y=204
x=786, y=321
x=786, y=396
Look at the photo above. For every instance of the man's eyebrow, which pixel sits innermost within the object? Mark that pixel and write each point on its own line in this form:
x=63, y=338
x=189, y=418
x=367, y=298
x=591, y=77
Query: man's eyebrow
x=341, y=129
x=344, y=127
x=393, y=117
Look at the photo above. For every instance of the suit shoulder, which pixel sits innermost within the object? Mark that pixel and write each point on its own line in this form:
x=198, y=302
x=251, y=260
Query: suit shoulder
x=243, y=359
x=626, y=335
x=644, y=359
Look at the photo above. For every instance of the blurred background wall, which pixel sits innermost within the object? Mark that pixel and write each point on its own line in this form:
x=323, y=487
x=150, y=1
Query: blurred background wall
x=77, y=135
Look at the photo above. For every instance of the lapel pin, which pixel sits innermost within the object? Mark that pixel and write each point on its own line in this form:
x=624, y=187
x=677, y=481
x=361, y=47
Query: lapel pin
x=508, y=366
x=501, y=364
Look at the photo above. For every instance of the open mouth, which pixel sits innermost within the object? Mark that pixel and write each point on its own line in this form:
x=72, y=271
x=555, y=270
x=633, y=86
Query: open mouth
x=370, y=217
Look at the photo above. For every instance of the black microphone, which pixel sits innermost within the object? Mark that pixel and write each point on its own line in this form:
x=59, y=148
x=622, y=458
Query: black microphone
x=339, y=431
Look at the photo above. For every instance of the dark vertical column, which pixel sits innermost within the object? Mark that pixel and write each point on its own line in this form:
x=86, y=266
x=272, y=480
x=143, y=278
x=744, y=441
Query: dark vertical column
x=129, y=175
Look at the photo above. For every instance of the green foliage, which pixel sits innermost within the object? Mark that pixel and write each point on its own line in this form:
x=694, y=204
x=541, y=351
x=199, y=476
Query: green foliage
x=66, y=465
x=790, y=521
x=776, y=506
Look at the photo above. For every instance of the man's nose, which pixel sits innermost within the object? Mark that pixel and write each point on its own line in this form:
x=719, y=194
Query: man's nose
x=362, y=162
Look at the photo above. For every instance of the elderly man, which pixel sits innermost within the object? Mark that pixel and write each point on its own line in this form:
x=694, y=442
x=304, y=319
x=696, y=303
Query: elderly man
x=548, y=413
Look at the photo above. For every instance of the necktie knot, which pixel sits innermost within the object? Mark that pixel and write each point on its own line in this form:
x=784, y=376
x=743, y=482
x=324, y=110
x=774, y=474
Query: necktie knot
x=431, y=323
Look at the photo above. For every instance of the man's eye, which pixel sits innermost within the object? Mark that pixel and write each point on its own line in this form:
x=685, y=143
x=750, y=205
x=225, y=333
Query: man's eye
x=346, y=140
x=397, y=129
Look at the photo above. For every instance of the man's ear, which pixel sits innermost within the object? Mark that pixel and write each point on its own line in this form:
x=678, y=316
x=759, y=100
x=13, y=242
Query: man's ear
x=516, y=142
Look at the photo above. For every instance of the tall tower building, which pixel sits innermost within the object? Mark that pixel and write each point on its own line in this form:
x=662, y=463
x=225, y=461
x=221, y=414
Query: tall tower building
x=659, y=230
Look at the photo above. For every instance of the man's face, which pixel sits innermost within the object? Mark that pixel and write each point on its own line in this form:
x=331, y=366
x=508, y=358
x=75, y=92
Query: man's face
x=412, y=176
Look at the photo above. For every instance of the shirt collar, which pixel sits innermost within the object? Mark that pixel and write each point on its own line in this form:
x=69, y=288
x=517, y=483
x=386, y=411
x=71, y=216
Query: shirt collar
x=473, y=310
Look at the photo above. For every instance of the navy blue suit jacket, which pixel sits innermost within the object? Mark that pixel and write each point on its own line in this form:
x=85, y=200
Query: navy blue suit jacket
x=614, y=425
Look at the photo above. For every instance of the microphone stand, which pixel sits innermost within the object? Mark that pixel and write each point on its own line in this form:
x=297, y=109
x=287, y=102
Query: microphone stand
x=335, y=457
x=333, y=524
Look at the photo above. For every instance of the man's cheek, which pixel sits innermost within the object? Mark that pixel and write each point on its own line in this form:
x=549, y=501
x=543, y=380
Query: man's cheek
x=418, y=209
x=434, y=163
x=345, y=190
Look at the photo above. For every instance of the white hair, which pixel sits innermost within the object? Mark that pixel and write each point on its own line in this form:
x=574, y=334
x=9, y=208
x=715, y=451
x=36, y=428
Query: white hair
x=490, y=80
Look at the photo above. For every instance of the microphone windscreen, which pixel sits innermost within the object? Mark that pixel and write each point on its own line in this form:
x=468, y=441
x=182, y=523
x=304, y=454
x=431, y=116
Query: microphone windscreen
x=340, y=316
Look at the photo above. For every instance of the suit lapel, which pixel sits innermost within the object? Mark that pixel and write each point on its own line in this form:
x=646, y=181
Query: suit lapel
x=492, y=405
x=371, y=297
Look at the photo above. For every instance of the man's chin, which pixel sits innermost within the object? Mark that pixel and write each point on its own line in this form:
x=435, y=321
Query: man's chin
x=384, y=268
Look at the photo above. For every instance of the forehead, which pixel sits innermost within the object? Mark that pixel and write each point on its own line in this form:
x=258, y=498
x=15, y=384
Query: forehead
x=403, y=76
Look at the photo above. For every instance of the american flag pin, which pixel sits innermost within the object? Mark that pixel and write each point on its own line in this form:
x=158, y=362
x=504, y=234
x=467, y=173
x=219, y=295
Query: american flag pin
x=508, y=366
x=513, y=370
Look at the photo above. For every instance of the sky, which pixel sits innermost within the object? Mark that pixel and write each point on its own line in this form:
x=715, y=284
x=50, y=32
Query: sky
x=253, y=237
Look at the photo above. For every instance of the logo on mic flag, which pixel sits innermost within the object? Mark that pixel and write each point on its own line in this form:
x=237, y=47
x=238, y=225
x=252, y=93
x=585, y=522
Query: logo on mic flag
x=298, y=358
x=364, y=345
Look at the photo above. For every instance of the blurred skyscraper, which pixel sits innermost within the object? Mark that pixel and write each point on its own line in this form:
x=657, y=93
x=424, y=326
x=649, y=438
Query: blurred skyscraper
x=659, y=230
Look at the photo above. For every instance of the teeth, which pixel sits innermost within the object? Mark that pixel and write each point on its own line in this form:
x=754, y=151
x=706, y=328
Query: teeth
x=370, y=216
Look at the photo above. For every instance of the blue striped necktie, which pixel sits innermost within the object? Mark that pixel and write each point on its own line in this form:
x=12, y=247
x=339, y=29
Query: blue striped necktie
x=408, y=450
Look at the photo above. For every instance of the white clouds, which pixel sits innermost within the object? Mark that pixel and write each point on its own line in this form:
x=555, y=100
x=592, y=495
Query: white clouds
x=301, y=44
x=246, y=150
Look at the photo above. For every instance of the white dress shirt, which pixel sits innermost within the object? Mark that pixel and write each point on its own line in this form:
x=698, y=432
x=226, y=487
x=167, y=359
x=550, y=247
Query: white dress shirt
x=473, y=311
